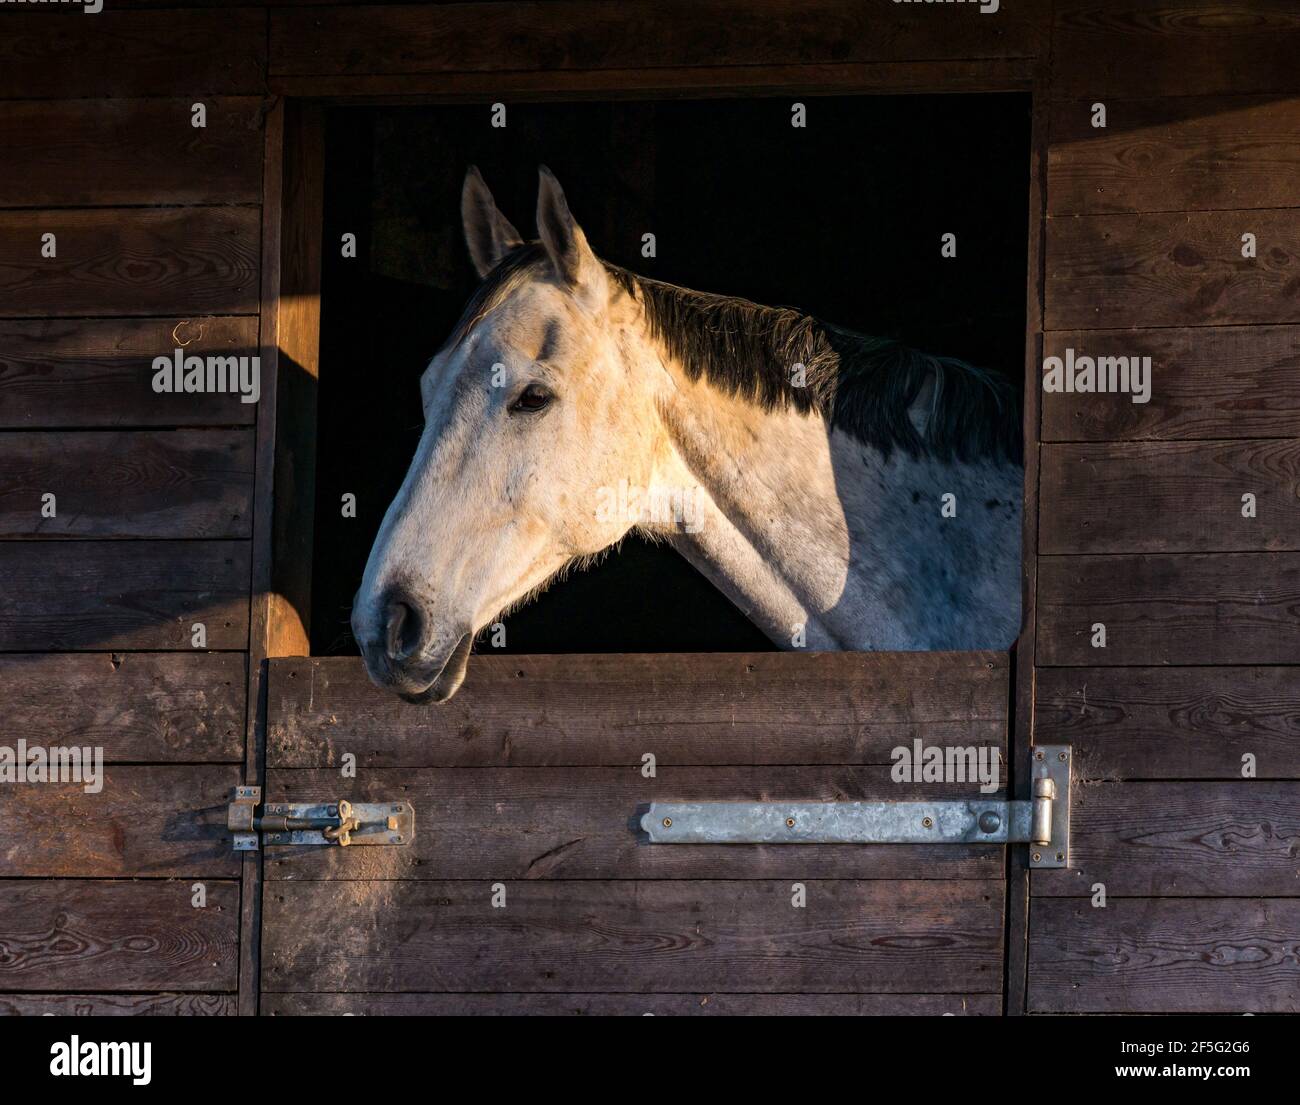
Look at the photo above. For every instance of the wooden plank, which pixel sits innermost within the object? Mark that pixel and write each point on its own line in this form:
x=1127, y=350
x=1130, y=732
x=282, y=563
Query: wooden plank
x=1194, y=153
x=1022, y=656
x=1142, y=955
x=1174, y=47
x=99, y=372
x=263, y=602
x=718, y=708
x=70, y=595
x=1226, y=608
x=296, y=323
x=582, y=823
x=1172, y=269
x=1181, y=839
x=637, y=34
x=135, y=937
x=163, y=53
x=1171, y=723
x=130, y=261
x=1170, y=496
x=607, y=937
x=117, y=1005
x=141, y=822
x=143, y=151
x=136, y=706
x=160, y=483
x=1207, y=382
x=696, y=81
x=630, y=1005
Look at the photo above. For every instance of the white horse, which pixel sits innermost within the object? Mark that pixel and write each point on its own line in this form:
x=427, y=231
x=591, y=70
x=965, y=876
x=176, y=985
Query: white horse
x=843, y=491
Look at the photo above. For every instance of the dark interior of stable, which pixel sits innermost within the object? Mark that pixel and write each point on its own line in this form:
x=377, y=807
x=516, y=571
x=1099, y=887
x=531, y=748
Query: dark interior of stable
x=842, y=218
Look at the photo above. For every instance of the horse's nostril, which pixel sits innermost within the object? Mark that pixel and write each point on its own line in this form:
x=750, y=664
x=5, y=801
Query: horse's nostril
x=402, y=631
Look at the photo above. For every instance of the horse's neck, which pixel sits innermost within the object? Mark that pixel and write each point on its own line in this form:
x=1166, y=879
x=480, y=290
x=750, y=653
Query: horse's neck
x=826, y=545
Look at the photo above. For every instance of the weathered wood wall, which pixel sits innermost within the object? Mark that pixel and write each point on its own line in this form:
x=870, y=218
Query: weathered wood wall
x=161, y=242
x=157, y=228
x=528, y=782
x=1141, y=524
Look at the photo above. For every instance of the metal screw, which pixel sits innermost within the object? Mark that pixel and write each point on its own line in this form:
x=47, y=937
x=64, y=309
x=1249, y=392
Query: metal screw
x=1060, y=857
x=789, y=822
x=1038, y=856
x=668, y=822
x=990, y=822
x=927, y=822
x=1038, y=755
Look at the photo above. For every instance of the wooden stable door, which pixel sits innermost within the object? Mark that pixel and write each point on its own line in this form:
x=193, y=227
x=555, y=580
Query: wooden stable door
x=528, y=887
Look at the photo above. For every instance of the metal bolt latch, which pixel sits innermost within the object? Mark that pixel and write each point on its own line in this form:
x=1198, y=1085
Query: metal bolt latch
x=340, y=823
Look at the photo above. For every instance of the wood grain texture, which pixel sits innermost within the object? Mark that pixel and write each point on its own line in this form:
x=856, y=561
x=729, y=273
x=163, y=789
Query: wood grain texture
x=1227, y=608
x=130, y=261
x=262, y=599
x=72, y=595
x=1171, y=723
x=68, y=373
x=1023, y=651
x=135, y=937
x=1144, y=955
x=1173, y=47
x=629, y=1005
x=829, y=78
x=297, y=335
x=1181, y=839
x=1190, y=153
x=162, y=53
x=103, y=152
x=160, y=483
x=637, y=34
x=144, y=822
x=1172, y=269
x=117, y=1005
x=1170, y=497
x=880, y=937
x=583, y=823
x=719, y=708
x=1206, y=383
x=168, y=707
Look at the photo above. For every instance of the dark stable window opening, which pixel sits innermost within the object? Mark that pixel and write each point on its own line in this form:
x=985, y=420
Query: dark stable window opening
x=842, y=218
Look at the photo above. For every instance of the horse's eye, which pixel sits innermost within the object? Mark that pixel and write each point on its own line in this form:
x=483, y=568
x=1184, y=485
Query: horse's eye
x=533, y=398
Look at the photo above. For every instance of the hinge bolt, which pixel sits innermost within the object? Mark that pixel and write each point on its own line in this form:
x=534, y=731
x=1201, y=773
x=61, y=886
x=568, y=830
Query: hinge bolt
x=927, y=822
x=668, y=822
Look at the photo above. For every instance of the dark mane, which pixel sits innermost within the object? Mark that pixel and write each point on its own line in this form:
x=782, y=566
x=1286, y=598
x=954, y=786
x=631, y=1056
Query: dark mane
x=860, y=384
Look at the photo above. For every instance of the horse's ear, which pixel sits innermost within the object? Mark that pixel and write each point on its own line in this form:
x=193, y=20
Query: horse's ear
x=565, y=243
x=488, y=233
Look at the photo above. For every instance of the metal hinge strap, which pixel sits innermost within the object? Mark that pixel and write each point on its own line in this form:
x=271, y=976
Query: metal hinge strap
x=1043, y=821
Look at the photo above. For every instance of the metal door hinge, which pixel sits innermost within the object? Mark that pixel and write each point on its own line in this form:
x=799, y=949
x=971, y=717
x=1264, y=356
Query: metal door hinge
x=1042, y=821
x=342, y=823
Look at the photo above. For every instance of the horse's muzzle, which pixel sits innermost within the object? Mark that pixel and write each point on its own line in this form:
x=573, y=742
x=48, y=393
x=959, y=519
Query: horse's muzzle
x=416, y=679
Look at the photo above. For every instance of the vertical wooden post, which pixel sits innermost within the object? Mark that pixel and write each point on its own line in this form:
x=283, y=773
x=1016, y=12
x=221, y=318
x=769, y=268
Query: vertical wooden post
x=284, y=493
x=1021, y=737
